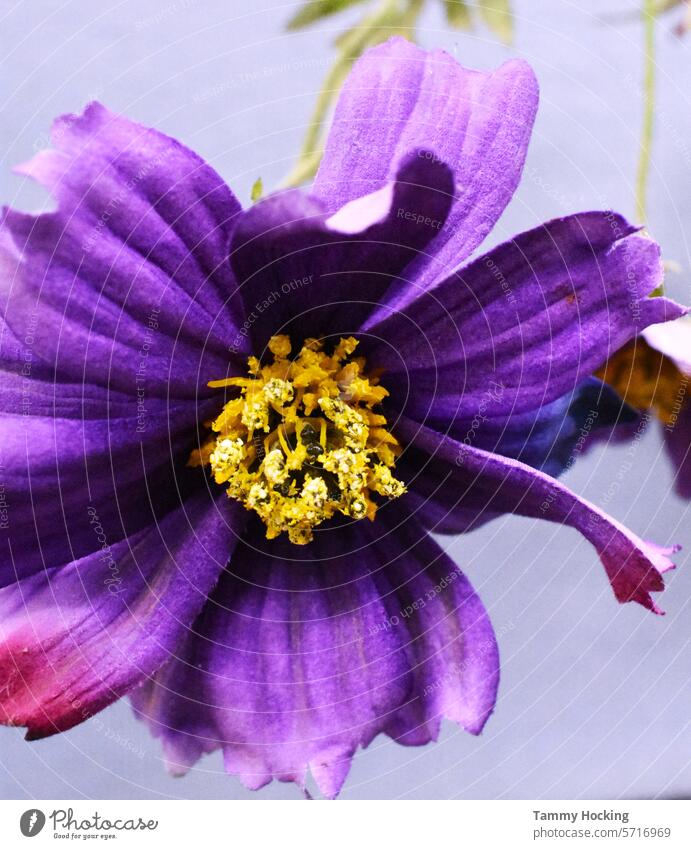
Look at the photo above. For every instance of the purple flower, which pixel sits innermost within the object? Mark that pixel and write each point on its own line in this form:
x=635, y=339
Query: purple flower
x=440, y=394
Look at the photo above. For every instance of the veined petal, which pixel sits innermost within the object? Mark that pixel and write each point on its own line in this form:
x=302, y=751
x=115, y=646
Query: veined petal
x=465, y=486
x=60, y=472
x=74, y=450
x=131, y=268
x=75, y=638
x=398, y=98
x=535, y=316
x=295, y=664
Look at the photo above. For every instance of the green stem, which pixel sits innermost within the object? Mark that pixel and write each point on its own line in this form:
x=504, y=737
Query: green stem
x=351, y=46
x=648, y=14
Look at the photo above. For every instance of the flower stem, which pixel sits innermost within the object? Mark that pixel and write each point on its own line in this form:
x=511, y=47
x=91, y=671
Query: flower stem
x=374, y=26
x=648, y=15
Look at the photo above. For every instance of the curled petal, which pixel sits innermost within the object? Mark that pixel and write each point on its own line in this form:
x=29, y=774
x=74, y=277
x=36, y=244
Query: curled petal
x=300, y=267
x=457, y=487
x=398, y=98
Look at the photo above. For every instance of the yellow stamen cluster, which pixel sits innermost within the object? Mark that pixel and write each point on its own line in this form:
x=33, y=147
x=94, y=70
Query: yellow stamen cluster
x=302, y=441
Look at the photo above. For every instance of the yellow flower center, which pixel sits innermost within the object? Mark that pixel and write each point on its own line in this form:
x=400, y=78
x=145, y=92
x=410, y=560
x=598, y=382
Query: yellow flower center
x=302, y=440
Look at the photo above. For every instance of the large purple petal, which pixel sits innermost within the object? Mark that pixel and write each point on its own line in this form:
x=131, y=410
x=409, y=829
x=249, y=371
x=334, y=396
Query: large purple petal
x=297, y=662
x=326, y=274
x=455, y=487
x=398, y=98
x=128, y=279
x=70, y=450
x=58, y=473
x=75, y=638
x=533, y=318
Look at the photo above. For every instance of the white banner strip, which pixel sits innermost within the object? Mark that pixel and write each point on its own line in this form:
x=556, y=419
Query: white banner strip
x=348, y=825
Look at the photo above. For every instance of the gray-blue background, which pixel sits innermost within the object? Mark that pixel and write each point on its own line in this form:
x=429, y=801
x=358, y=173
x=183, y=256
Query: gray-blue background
x=594, y=699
